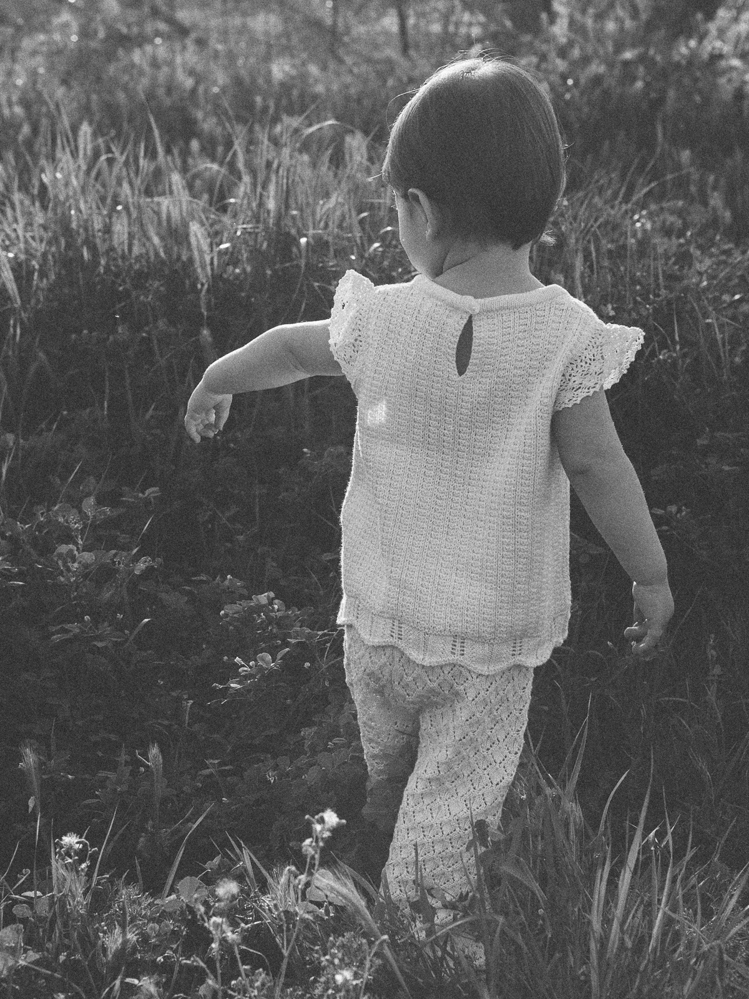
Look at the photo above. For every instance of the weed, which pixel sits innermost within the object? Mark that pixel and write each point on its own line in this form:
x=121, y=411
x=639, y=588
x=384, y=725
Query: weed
x=171, y=671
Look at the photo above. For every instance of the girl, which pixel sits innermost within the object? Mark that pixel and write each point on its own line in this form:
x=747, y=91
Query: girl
x=480, y=398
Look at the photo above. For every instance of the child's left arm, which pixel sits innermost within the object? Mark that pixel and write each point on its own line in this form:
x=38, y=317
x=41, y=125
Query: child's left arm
x=283, y=355
x=607, y=484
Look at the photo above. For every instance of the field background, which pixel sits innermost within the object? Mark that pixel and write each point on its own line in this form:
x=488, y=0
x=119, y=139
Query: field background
x=176, y=178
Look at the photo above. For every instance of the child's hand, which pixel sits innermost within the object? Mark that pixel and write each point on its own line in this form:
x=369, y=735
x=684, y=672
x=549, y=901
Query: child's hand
x=206, y=413
x=654, y=606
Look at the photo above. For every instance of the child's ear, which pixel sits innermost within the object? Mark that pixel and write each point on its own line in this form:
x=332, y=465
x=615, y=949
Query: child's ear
x=433, y=216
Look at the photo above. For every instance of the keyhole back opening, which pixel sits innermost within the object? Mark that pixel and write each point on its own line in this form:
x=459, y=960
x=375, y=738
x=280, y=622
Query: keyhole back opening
x=464, y=347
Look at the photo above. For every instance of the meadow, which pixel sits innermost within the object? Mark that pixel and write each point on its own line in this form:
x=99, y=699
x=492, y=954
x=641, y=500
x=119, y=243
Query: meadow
x=178, y=742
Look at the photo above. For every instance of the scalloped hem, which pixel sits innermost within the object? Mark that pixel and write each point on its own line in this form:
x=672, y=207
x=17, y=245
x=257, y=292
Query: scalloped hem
x=484, y=658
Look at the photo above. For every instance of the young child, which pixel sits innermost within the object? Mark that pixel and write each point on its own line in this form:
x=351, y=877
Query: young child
x=480, y=398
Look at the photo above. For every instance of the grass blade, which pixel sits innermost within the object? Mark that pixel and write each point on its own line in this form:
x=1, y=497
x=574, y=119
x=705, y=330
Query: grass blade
x=178, y=858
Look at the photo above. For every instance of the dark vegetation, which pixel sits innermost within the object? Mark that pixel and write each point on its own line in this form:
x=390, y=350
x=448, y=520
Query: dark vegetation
x=173, y=182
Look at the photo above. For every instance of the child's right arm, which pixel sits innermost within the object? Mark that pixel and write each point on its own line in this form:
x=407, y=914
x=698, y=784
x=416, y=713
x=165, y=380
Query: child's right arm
x=283, y=355
x=607, y=484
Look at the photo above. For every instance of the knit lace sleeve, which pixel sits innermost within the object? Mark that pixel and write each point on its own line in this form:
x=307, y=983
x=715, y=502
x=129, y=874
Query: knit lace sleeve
x=599, y=363
x=347, y=331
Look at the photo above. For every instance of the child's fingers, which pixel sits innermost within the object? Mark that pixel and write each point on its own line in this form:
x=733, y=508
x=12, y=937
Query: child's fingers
x=647, y=647
x=191, y=428
x=206, y=414
x=639, y=626
x=221, y=412
x=641, y=641
x=638, y=633
x=644, y=636
x=198, y=427
x=208, y=427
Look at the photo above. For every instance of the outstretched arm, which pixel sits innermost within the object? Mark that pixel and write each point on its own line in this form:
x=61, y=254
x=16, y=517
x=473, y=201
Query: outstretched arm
x=283, y=355
x=607, y=484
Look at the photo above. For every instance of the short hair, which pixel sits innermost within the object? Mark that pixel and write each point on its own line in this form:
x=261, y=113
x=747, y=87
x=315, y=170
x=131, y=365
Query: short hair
x=480, y=137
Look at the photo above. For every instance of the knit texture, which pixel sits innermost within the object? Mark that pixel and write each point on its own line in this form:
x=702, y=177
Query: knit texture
x=441, y=744
x=456, y=518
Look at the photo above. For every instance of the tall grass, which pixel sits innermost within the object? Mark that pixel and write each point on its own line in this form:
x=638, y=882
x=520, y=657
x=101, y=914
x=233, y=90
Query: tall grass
x=95, y=220
x=656, y=252
x=92, y=216
x=561, y=916
x=125, y=266
x=123, y=277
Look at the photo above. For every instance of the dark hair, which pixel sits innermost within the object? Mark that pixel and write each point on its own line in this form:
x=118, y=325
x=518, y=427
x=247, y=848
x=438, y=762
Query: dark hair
x=481, y=138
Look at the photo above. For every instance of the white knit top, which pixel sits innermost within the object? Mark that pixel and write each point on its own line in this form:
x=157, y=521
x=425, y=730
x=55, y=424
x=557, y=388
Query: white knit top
x=456, y=518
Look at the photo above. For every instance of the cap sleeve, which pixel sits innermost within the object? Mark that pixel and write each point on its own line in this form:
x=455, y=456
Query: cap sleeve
x=347, y=326
x=605, y=354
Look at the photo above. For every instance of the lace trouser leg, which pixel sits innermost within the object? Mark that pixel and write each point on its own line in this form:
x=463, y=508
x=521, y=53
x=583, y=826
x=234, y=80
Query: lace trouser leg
x=453, y=737
x=389, y=728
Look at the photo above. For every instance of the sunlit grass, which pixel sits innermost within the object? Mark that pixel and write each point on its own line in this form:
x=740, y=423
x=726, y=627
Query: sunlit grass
x=307, y=200
x=99, y=238
x=560, y=915
x=92, y=215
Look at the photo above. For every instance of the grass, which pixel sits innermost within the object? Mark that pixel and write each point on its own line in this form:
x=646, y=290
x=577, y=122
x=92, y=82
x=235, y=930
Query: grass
x=102, y=214
x=92, y=214
x=126, y=264
x=561, y=915
x=280, y=218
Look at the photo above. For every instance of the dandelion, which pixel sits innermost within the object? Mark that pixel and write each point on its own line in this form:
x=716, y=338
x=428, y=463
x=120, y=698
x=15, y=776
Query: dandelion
x=222, y=932
x=71, y=844
x=73, y=854
x=226, y=890
x=323, y=826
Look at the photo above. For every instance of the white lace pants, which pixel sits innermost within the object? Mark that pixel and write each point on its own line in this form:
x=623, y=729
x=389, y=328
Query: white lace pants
x=438, y=741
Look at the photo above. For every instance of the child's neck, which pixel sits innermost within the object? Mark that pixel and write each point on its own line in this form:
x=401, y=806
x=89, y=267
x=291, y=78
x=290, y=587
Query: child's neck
x=486, y=272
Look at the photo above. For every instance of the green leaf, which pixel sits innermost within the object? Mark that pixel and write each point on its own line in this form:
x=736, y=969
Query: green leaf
x=11, y=938
x=192, y=890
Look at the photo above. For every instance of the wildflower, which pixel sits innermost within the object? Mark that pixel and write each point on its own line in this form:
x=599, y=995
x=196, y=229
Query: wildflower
x=71, y=844
x=323, y=825
x=347, y=976
x=331, y=820
x=221, y=930
x=308, y=848
x=226, y=890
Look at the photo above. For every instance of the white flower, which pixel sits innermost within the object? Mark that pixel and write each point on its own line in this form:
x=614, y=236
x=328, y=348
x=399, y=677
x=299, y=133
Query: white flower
x=226, y=890
x=71, y=843
x=331, y=820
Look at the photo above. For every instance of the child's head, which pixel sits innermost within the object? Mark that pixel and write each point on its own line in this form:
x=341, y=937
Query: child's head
x=481, y=139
